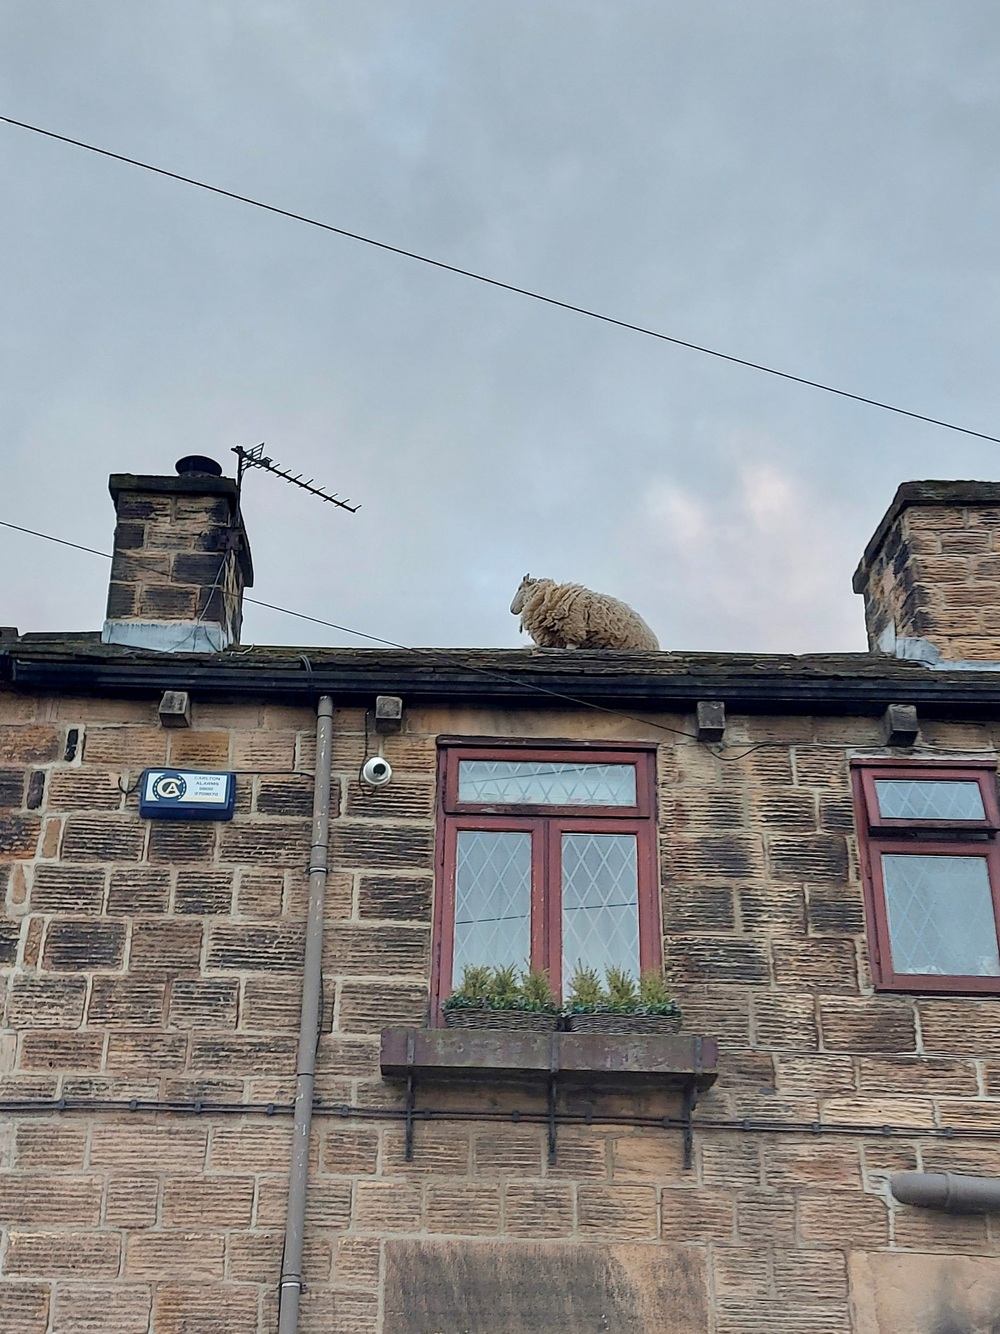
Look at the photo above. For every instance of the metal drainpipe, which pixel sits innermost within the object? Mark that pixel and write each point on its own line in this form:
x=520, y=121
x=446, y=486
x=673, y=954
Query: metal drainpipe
x=952, y=1192
x=290, y=1285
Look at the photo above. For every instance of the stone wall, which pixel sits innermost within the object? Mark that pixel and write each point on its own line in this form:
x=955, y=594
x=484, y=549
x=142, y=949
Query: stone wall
x=162, y=962
x=935, y=574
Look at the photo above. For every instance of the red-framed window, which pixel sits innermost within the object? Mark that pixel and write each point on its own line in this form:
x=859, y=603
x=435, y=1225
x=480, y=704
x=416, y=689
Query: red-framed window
x=931, y=865
x=547, y=855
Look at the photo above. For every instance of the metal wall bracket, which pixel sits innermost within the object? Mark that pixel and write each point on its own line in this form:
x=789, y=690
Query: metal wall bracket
x=411, y=1097
x=690, y=1103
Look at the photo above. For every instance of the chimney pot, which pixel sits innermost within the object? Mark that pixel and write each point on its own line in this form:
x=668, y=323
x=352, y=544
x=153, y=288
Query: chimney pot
x=198, y=465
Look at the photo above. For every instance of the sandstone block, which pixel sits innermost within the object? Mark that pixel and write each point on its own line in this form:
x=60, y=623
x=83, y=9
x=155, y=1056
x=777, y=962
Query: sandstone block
x=538, y=1209
x=824, y=965
x=251, y=1147
x=697, y=1215
x=175, y=1253
x=508, y=1151
x=381, y=847
x=132, y=1202
x=145, y=1053
x=52, y=1254
x=40, y=1199
x=272, y=842
x=251, y=947
x=289, y=794
x=264, y=1055
x=395, y=898
x=49, y=1144
x=349, y=1150
x=84, y=790
x=840, y=1219
x=370, y=1007
x=778, y=909
x=29, y=744
x=93, y=1308
x=103, y=838
x=388, y=950
x=137, y=891
x=134, y=1148
x=387, y=1206
x=168, y=945
x=465, y=1208
x=881, y=1025
x=208, y=1308
x=179, y=841
x=203, y=1003
x=24, y=1307
x=19, y=835
x=131, y=748
x=726, y=959
x=617, y=1212
x=54, y=1049
x=39, y=1001
x=130, y=1001
x=207, y=1202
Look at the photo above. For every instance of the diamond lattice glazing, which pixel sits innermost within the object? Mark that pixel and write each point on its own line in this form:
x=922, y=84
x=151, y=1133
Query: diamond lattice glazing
x=600, y=917
x=492, y=899
x=545, y=783
x=940, y=915
x=929, y=799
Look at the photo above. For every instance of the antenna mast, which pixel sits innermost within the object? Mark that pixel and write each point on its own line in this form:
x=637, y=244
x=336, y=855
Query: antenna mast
x=256, y=458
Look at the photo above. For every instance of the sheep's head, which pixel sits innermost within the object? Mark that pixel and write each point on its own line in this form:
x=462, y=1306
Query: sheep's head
x=521, y=596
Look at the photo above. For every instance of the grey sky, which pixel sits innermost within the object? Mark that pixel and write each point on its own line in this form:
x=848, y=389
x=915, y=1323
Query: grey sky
x=812, y=186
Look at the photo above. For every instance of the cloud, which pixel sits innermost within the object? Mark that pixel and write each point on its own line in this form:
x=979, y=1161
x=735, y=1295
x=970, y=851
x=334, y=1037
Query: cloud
x=759, y=568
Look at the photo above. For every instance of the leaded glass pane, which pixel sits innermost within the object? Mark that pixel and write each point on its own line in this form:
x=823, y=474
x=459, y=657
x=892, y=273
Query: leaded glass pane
x=940, y=915
x=600, y=902
x=546, y=783
x=492, y=899
x=929, y=799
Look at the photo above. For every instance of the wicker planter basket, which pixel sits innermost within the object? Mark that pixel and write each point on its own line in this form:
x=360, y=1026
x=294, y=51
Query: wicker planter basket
x=532, y=1021
x=623, y=1023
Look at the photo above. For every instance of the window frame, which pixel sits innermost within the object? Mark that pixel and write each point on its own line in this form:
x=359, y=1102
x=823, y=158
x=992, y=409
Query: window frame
x=645, y=782
x=878, y=835
x=547, y=825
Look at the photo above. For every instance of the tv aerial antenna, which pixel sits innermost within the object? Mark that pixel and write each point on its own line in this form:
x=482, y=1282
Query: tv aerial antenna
x=256, y=458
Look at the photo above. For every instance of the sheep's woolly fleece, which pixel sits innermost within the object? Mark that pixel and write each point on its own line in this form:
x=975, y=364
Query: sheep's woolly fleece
x=570, y=616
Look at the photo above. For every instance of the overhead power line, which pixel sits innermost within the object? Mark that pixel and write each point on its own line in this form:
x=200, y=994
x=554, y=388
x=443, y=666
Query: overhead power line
x=393, y=643
x=745, y=748
x=504, y=286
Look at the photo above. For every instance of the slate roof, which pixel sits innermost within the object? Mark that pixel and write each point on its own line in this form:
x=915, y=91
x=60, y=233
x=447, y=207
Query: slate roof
x=837, y=682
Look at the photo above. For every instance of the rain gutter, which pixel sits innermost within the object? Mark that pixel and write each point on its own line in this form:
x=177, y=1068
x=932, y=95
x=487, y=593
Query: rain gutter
x=956, y=694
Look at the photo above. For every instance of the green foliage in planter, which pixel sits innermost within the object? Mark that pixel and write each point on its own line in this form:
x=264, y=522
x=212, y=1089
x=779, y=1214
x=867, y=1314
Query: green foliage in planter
x=622, y=993
x=585, y=990
x=618, y=994
x=485, y=988
x=654, y=994
x=505, y=988
x=474, y=987
x=536, y=992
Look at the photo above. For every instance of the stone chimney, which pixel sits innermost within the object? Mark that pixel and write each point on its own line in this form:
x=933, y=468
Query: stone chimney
x=931, y=573
x=181, y=561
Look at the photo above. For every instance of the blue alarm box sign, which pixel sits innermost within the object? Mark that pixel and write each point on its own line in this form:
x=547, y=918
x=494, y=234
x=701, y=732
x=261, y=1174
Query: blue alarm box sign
x=186, y=794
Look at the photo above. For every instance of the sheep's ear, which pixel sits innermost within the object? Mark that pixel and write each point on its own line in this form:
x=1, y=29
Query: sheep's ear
x=526, y=578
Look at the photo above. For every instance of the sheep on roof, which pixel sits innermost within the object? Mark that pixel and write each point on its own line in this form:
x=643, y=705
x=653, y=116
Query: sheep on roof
x=570, y=616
